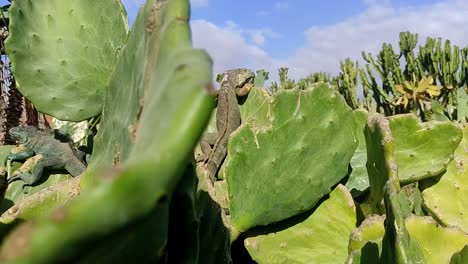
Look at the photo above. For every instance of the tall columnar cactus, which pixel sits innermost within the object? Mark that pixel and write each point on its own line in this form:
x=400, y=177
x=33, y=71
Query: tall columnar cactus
x=158, y=72
x=407, y=44
x=63, y=53
x=313, y=78
x=445, y=64
x=347, y=82
x=388, y=68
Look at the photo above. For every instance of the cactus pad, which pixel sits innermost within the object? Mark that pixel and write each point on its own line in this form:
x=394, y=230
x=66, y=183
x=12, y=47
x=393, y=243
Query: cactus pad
x=422, y=149
x=447, y=199
x=298, y=149
x=156, y=111
x=321, y=238
x=63, y=53
x=365, y=242
x=359, y=180
x=380, y=158
x=438, y=244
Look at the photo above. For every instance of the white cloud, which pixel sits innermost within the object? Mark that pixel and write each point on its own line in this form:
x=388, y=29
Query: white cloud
x=232, y=46
x=281, y=5
x=259, y=36
x=199, y=3
x=326, y=46
x=262, y=13
x=377, y=2
x=229, y=46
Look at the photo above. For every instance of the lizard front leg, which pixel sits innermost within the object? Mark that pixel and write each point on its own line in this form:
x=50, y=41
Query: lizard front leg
x=75, y=167
x=241, y=91
x=31, y=179
x=23, y=155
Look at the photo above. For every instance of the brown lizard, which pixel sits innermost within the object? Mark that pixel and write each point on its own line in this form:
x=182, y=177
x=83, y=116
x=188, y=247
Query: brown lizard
x=236, y=82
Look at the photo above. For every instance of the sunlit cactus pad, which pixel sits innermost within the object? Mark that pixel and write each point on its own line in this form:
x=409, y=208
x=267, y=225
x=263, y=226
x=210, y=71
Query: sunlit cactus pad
x=63, y=53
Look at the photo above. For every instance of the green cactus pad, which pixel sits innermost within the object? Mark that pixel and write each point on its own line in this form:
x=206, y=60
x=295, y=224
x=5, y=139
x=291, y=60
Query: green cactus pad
x=50, y=192
x=359, y=180
x=321, y=238
x=438, y=244
x=63, y=53
x=380, y=158
x=155, y=111
x=460, y=257
x=447, y=200
x=398, y=246
x=365, y=242
x=422, y=149
x=256, y=110
x=298, y=149
x=384, y=183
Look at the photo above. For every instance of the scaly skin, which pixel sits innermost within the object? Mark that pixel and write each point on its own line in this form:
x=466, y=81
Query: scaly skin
x=56, y=154
x=236, y=82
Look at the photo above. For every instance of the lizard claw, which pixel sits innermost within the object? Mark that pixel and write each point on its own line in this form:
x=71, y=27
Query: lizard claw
x=8, y=158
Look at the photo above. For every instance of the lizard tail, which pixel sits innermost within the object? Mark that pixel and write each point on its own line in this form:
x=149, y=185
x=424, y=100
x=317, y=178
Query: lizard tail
x=212, y=169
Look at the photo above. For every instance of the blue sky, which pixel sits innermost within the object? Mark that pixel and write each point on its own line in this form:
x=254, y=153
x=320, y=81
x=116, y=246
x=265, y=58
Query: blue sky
x=309, y=36
x=289, y=19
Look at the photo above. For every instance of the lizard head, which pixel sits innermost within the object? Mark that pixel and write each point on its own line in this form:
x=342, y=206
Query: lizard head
x=238, y=77
x=22, y=133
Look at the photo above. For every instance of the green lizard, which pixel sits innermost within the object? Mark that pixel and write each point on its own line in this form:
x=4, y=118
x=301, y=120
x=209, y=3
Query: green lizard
x=56, y=154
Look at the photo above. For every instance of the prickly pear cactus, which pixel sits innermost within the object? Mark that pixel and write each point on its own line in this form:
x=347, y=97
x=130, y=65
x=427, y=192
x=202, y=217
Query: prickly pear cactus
x=290, y=158
x=63, y=53
x=460, y=257
x=438, y=244
x=380, y=158
x=320, y=237
x=397, y=245
x=422, y=149
x=261, y=77
x=446, y=200
x=358, y=179
x=159, y=72
x=365, y=242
